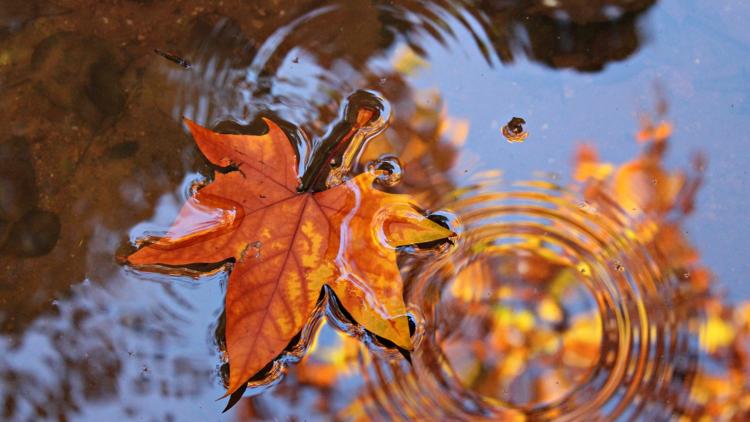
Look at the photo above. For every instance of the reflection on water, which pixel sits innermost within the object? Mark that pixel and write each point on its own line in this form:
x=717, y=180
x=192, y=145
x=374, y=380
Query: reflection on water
x=557, y=303
x=561, y=298
x=301, y=72
x=107, y=353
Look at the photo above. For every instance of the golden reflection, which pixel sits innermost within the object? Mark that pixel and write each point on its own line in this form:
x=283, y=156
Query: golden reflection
x=559, y=303
x=586, y=300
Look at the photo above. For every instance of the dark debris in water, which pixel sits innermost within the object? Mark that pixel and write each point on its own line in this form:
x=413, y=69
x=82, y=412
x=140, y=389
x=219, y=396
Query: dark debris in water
x=173, y=58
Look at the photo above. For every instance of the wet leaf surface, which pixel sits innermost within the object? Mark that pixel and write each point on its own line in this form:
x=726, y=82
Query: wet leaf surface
x=287, y=245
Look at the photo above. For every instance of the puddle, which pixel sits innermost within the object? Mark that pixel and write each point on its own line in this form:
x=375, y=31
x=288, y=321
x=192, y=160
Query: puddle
x=628, y=307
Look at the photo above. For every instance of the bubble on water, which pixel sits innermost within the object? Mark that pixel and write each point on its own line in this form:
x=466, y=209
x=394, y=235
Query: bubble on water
x=513, y=130
x=387, y=170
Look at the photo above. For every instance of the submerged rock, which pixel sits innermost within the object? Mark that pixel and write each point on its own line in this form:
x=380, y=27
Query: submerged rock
x=35, y=234
x=14, y=15
x=80, y=74
x=122, y=150
x=18, y=189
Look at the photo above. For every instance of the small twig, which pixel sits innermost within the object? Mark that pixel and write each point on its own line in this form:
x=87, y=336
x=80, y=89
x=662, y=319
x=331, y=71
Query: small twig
x=173, y=58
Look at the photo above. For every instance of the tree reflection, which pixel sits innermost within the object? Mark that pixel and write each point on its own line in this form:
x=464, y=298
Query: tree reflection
x=99, y=354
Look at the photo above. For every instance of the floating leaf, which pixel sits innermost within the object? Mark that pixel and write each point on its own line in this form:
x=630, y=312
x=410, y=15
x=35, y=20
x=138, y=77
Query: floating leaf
x=287, y=245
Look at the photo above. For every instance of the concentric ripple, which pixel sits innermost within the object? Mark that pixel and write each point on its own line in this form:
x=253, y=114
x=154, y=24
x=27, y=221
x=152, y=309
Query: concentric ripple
x=549, y=307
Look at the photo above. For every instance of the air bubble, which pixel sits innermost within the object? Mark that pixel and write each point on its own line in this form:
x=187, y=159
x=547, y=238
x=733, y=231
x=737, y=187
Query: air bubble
x=386, y=169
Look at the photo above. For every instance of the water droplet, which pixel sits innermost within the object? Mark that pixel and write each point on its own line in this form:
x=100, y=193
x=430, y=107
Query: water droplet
x=587, y=207
x=335, y=177
x=386, y=169
x=513, y=130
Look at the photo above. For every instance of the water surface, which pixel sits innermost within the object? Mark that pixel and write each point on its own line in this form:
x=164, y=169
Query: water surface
x=93, y=156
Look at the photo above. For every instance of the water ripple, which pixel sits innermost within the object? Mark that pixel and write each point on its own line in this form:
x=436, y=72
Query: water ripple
x=548, y=308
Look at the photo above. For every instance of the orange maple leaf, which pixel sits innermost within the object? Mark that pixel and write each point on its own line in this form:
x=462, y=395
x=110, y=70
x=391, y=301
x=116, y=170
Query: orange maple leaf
x=287, y=245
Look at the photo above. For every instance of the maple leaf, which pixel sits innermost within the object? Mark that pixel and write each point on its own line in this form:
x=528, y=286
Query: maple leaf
x=287, y=245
